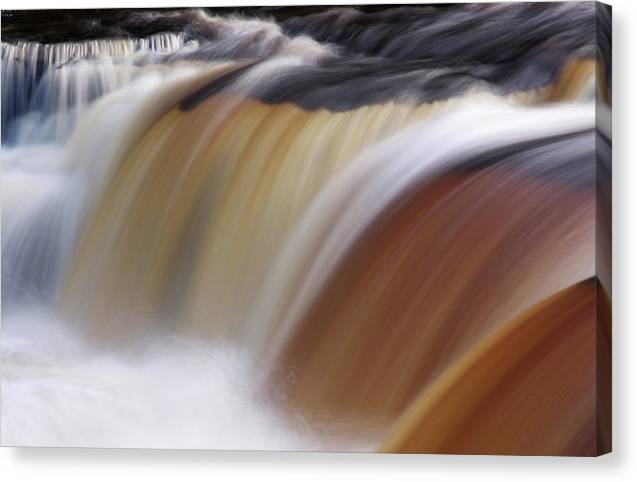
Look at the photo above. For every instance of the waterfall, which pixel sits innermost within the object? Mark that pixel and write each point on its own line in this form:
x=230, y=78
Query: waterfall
x=262, y=226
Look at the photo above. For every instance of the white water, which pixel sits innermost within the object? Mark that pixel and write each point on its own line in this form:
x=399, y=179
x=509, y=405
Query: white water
x=168, y=391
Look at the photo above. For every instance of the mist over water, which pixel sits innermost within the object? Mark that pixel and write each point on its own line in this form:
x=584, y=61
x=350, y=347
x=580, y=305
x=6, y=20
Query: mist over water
x=208, y=221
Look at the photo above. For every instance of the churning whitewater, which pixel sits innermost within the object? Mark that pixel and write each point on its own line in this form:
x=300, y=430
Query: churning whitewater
x=186, y=196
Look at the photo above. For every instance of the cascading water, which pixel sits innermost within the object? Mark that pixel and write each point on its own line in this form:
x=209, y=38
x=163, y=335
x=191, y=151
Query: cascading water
x=246, y=232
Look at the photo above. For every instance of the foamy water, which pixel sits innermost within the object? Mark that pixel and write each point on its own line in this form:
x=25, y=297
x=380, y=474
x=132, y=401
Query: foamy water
x=169, y=391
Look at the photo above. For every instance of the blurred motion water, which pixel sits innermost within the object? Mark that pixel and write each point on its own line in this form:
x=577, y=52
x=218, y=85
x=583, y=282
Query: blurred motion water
x=286, y=232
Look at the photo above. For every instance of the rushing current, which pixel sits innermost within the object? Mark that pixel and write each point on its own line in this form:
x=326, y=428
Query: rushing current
x=303, y=229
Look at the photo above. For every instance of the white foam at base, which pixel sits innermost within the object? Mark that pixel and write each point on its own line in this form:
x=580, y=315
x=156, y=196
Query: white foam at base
x=58, y=390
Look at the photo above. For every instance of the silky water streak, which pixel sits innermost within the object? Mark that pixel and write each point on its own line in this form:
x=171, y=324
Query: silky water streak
x=308, y=228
